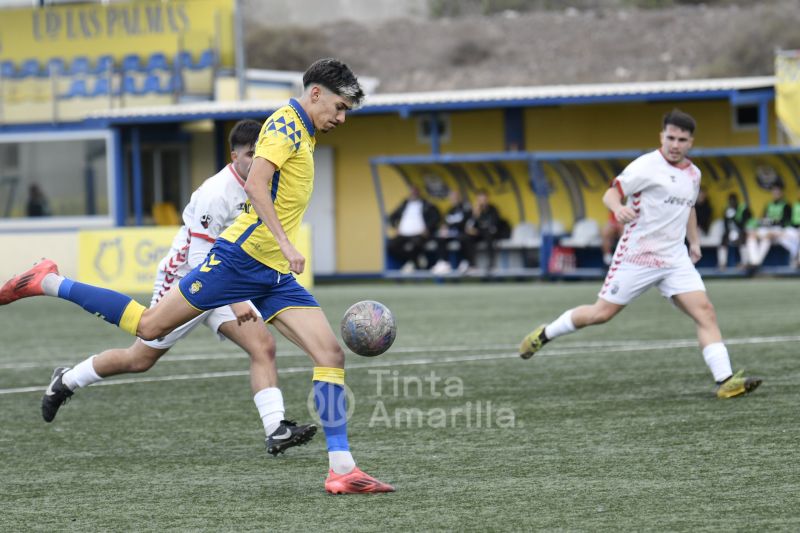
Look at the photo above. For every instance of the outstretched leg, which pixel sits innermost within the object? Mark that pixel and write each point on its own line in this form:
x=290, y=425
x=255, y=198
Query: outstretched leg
x=570, y=321
x=138, y=357
x=113, y=307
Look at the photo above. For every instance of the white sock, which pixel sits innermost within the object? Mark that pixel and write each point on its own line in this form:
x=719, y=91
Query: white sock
x=82, y=375
x=269, y=403
x=560, y=326
x=51, y=283
x=341, y=462
x=716, y=356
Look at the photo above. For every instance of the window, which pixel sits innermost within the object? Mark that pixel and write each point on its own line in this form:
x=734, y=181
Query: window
x=746, y=117
x=54, y=175
x=165, y=177
x=425, y=125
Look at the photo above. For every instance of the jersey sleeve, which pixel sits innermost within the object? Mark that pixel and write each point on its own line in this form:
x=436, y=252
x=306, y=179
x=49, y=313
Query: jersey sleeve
x=210, y=214
x=632, y=180
x=279, y=139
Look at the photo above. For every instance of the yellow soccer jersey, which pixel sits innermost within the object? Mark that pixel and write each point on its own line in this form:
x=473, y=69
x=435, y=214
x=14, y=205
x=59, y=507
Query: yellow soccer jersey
x=287, y=141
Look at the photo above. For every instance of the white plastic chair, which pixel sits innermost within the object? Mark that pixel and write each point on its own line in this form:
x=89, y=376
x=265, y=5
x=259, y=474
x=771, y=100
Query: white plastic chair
x=585, y=232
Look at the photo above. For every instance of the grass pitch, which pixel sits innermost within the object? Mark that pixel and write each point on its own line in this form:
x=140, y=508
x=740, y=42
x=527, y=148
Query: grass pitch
x=613, y=428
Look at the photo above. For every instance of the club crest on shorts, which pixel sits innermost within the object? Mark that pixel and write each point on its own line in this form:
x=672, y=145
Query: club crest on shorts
x=614, y=288
x=195, y=287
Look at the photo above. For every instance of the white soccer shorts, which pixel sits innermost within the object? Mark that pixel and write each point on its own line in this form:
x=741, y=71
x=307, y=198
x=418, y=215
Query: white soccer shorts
x=629, y=281
x=213, y=318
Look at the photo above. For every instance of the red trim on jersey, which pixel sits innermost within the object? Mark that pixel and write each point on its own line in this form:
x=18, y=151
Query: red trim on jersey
x=202, y=236
x=683, y=165
x=236, y=174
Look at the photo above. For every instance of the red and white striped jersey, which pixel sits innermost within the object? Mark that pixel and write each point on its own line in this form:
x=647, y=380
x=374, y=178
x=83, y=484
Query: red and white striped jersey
x=212, y=208
x=662, y=195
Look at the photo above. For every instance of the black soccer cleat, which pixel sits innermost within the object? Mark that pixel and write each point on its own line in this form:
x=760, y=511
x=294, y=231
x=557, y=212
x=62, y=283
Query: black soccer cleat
x=56, y=394
x=289, y=434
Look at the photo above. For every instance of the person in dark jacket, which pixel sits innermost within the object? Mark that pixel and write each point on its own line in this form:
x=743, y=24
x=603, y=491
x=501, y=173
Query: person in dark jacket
x=415, y=221
x=485, y=226
x=737, y=215
x=453, y=229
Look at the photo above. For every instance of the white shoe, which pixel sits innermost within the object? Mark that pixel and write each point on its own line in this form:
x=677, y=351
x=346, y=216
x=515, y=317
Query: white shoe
x=408, y=268
x=441, y=267
x=463, y=266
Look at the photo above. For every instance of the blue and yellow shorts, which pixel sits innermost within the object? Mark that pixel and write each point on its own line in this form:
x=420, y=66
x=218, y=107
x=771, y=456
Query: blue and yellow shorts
x=230, y=275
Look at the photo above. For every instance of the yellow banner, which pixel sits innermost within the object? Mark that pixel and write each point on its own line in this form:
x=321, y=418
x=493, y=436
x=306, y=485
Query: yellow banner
x=118, y=29
x=123, y=259
x=787, y=92
x=126, y=259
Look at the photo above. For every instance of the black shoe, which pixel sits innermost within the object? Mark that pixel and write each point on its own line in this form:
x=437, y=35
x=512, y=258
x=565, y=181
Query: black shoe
x=56, y=394
x=289, y=434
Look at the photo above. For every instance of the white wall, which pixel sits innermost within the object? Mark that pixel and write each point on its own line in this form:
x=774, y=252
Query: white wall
x=27, y=248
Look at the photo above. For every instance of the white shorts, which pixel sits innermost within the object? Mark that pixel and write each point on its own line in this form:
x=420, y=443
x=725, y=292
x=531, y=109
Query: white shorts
x=629, y=281
x=213, y=318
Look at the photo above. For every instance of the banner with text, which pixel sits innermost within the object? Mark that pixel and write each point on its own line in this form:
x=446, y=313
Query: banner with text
x=126, y=259
x=118, y=29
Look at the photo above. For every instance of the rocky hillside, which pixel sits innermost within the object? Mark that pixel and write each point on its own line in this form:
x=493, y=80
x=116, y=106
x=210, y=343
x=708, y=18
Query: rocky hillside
x=541, y=48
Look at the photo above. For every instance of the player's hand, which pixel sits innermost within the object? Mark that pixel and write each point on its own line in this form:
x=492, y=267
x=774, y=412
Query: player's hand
x=244, y=312
x=624, y=214
x=297, y=263
x=695, y=253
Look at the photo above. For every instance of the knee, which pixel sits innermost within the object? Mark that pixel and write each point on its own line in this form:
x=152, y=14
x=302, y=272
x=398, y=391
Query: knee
x=706, y=312
x=264, y=351
x=334, y=356
x=142, y=363
x=148, y=329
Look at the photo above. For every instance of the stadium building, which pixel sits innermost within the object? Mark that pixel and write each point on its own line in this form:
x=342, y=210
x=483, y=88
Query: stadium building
x=116, y=112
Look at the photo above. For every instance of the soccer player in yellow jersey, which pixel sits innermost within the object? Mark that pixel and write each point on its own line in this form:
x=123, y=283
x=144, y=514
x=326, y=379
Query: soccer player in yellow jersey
x=254, y=259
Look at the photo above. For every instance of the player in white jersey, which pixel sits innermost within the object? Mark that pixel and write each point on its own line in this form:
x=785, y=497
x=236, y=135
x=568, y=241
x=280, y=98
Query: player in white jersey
x=661, y=188
x=212, y=208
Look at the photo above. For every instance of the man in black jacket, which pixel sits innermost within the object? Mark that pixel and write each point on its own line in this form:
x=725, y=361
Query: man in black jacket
x=485, y=225
x=415, y=220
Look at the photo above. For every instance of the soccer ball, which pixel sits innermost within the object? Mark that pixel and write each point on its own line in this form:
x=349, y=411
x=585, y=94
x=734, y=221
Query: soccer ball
x=368, y=328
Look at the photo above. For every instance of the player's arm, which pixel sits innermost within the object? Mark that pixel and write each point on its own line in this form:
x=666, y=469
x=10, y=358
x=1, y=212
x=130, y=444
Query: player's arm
x=257, y=187
x=613, y=201
x=693, y=236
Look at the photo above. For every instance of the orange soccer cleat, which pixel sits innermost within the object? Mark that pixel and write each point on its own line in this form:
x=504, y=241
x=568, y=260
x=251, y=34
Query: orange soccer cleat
x=28, y=283
x=354, y=482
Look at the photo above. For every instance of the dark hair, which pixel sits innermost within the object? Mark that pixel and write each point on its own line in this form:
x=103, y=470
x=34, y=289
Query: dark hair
x=336, y=77
x=244, y=133
x=679, y=119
